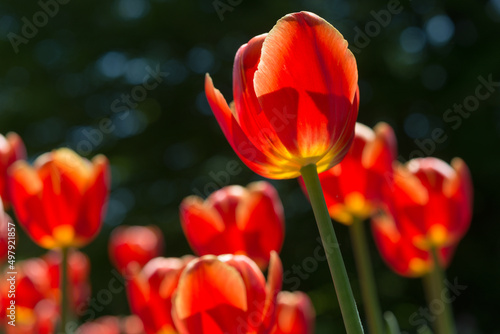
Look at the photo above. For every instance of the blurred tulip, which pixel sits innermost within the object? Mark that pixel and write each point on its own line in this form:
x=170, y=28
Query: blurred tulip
x=11, y=150
x=134, y=244
x=113, y=325
x=32, y=285
x=45, y=315
x=295, y=98
x=61, y=200
x=235, y=220
x=150, y=293
x=354, y=188
x=226, y=294
x=398, y=251
x=78, y=277
x=295, y=314
x=431, y=208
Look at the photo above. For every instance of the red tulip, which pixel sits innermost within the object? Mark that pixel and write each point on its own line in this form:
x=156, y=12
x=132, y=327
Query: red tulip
x=295, y=314
x=226, y=294
x=295, y=98
x=150, y=293
x=78, y=276
x=398, y=251
x=235, y=220
x=354, y=188
x=31, y=286
x=431, y=207
x=134, y=244
x=60, y=201
x=43, y=321
x=11, y=150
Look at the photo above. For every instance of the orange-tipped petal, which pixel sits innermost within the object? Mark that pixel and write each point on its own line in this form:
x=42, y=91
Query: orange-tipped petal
x=273, y=287
x=210, y=297
x=239, y=141
x=94, y=203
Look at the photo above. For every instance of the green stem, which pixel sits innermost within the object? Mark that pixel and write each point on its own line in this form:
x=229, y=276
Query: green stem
x=435, y=290
x=366, y=277
x=64, y=290
x=332, y=251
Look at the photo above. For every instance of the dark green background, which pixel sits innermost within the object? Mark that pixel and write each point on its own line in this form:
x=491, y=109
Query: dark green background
x=53, y=89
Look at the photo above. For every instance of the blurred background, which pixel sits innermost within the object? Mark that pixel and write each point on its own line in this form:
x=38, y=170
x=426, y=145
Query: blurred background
x=125, y=78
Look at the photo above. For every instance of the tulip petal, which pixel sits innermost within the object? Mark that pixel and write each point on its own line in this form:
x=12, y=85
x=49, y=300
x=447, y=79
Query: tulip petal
x=25, y=192
x=205, y=285
x=273, y=287
x=261, y=219
x=94, y=200
x=237, y=138
x=305, y=52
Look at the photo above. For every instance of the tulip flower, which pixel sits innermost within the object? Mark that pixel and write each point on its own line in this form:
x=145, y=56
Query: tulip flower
x=60, y=201
x=295, y=106
x=354, y=188
x=431, y=209
x=432, y=202
x=150, y=292
x=295, y=98
x=235, y=220
x=45, y=315
x=226, y=294
x=295, y=314
x=11, y=150
x=78, y=276
x=32, y=285
x=398, y=251
x=134, y=244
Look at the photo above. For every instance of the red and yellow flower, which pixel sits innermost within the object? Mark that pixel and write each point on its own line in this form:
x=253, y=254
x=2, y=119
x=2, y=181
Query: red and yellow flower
x=430, y=210
x=235, y=220
x=354, y=188
x=60, y=201
x=295, y=98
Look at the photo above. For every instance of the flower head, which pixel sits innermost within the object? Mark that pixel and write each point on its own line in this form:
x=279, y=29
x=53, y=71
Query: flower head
x=295, y=98
x=60, y=201
x=235, y=220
